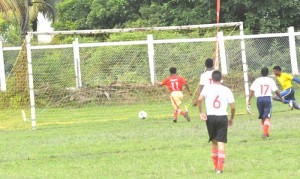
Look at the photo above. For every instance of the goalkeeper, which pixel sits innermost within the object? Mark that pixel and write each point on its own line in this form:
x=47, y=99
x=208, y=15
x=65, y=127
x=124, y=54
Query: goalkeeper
x=288, y=92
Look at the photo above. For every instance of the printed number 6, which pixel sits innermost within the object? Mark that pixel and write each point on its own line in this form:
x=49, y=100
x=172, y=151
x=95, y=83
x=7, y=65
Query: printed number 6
x=217, y=103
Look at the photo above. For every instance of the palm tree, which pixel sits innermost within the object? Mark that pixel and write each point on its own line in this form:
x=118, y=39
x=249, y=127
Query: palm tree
x=24, y=11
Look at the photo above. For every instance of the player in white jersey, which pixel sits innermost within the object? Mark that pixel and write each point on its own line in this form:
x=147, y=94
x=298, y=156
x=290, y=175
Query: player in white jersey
x=217, y=97
x=205, y=78
x=262, y=88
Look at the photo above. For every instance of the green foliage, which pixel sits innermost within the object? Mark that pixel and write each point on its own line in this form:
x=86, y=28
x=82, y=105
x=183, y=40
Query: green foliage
x=258, y=16
x=9, y=31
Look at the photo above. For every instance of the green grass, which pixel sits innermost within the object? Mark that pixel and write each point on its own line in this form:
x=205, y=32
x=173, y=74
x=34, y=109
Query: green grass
x=110, y=142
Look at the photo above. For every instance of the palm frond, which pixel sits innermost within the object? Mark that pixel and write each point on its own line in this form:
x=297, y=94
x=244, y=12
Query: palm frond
x=7, y=6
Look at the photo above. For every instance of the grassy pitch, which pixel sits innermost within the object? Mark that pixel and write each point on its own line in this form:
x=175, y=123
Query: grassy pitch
x=117, y=144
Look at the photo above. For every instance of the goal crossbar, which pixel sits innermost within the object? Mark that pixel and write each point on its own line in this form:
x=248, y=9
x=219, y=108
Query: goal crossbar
x=110, y=31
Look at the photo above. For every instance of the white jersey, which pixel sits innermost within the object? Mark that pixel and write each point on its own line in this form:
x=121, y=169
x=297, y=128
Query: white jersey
x=263, y=86
x=205, y=78
x=217, y=97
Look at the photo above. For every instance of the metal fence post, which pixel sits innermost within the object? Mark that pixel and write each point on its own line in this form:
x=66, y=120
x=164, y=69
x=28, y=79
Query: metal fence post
x=222, y=53
x=30, y=80
x=245, y=65
x=2, y=69
x=151, y=57
x=293, y=52
x=77, y=63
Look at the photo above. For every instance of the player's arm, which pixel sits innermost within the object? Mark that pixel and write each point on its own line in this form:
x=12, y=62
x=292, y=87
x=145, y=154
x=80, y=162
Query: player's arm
x=232, y=113
x=158, y=83
x=296, y=79
x=198, y=94
x=250, y=97
x=200, y=106
x=188, y=88
x=277, y=92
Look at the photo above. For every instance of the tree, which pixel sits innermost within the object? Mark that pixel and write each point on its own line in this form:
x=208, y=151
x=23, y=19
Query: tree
x=258, y=15
x=21, y=11
x=262, y=16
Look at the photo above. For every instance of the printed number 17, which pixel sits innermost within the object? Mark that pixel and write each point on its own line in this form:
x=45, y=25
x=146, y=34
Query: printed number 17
x=262, y=89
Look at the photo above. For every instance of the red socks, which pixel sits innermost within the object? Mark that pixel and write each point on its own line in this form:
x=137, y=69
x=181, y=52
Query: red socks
x=266, y=126
x=221, y=159
x=218, y=157
x=175, y=114
x=214, y=156
x=178, y=111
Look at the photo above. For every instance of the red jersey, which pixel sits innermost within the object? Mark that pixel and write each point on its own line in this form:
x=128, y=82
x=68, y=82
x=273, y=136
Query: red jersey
x=174, y=83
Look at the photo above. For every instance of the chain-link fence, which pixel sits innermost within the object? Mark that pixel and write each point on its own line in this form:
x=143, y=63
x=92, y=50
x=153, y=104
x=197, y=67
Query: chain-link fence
x=119, y=75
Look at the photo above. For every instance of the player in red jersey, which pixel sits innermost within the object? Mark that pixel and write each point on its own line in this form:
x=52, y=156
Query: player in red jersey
x=174, y=84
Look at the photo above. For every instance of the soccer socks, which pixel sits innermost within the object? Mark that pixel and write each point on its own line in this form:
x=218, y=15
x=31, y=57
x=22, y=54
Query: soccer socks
x=180, y=112
x=214, y=156
x=266, y=126
x=175, y=114
x=221, y=159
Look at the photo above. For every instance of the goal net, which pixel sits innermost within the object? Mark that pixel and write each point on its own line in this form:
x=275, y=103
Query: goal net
x=113, y=80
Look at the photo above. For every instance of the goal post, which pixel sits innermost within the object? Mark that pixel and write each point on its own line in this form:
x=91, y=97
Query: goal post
x=2, y=69
x=86, y=78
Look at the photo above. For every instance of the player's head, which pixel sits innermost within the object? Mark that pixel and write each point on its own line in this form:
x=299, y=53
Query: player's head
x=264, y=71
x=216, y=76
x=277, y=70
x=209, y=63
x=173, y=70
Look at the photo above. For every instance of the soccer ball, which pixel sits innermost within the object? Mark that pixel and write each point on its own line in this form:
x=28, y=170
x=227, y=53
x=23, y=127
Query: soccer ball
x=142, y=115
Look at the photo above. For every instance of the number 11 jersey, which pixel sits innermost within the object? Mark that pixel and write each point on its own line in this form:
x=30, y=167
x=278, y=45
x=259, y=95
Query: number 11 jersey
x=217, y=97
x=174, y=83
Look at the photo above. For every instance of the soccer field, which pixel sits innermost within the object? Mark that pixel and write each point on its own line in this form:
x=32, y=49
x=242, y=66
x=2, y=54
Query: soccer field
x=119, y=145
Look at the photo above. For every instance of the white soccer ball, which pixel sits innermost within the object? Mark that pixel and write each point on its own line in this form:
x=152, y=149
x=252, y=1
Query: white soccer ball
x=142, y=115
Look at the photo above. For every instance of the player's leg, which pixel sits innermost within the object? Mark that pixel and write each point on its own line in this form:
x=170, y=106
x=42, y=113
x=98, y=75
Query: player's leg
x=267, y=116
x=221, y=157
x=174, y=104
x=210, y=124
x=292, y=97
x=262, y=125
x=214, y=153
x=288, y=96
x=178, y=97
x=221, y=137
x=260, y=103
x=296, y=105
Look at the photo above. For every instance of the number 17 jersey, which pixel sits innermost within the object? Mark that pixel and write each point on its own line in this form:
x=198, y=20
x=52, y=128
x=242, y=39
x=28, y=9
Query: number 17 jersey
x=263, y=86
x=217, y=97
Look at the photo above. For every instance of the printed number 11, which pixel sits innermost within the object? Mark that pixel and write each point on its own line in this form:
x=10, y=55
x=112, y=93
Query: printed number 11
x=175, y=85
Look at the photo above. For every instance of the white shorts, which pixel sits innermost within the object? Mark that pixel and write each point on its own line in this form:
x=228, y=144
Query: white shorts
x=176, y=99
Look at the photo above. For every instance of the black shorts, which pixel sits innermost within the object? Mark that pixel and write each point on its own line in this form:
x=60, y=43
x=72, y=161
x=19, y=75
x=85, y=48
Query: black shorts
x=217, y=128
x=264, y=106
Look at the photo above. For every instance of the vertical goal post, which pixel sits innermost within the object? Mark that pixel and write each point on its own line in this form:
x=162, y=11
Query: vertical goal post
x=150, y=42
x=2, y=69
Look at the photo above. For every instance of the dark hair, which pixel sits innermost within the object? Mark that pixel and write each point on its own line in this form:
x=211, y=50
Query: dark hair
x=173, y=70
x=209, y=63
x=216, y=76
x=277, y=68
x=264, y=71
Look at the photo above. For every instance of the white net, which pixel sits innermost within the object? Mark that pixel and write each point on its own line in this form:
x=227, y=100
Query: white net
x=116, y=79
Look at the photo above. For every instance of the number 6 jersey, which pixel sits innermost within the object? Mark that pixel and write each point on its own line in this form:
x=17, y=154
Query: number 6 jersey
x=217, y=97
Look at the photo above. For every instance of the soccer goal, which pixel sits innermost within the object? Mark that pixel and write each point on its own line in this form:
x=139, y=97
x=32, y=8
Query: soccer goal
x=113, y=80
